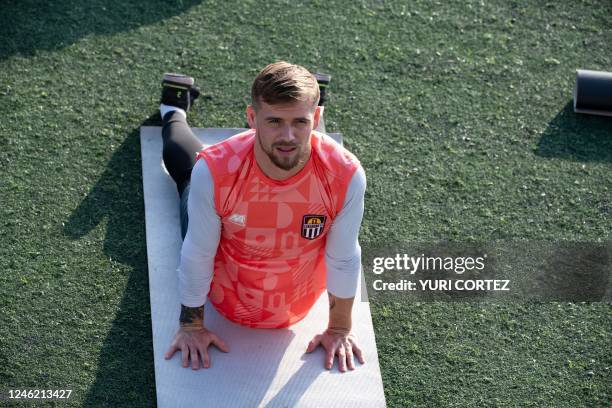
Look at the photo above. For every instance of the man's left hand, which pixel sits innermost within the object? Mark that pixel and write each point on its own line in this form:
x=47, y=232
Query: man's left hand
x=342, y=344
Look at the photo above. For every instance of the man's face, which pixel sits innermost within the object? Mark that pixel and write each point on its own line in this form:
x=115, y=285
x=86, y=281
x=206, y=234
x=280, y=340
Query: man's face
x=283, y=132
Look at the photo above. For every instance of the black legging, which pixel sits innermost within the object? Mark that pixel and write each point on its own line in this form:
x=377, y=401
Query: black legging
x=179, y=155
x=180, y=149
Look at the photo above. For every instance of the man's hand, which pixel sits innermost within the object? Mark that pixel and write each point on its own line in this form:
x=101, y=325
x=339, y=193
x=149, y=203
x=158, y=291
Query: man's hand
x=193, y=344
x=337, y=339
x=193, y=339
x=337, y=343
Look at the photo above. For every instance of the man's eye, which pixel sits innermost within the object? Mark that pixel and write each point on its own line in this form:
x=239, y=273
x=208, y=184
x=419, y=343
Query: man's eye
x=273, y=121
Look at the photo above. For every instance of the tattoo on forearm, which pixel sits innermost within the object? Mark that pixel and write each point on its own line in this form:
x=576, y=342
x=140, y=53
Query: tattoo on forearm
x=190, y=315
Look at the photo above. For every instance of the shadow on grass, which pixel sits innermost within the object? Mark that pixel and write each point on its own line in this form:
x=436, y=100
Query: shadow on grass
x=29, y=25
x=125, y=368
x=579, y=137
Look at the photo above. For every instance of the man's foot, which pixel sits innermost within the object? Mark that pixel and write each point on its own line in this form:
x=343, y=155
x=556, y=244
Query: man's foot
x=323, y=80
x=178, y=90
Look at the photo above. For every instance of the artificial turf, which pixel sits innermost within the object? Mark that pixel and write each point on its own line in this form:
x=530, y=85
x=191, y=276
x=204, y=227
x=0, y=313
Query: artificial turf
x=459, y=111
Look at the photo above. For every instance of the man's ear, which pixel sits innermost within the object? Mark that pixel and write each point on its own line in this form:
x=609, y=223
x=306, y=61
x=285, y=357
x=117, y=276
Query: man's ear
x=317, y=117
x=250, y=114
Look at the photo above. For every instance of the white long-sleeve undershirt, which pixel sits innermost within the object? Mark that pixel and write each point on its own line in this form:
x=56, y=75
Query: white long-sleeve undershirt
x=342, y=250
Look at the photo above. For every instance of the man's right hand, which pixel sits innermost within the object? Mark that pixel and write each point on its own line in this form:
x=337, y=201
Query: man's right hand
x=193, y=344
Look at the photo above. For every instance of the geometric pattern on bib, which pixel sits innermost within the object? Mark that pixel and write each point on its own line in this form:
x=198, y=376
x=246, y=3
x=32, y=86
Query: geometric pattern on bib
x=267, y=273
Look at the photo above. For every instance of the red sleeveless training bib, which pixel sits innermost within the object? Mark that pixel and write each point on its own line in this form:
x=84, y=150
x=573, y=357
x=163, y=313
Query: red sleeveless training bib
x=270, y=263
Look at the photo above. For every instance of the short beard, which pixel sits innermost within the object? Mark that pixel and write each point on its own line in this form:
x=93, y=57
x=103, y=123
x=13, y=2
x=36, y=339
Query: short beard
x=278, y=162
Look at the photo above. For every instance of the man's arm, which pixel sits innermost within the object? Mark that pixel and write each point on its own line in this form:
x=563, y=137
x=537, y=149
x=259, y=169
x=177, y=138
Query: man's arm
x=199, y=248
x=340, y=314
x=343, y=261
x=192, y=317
x=195, y=271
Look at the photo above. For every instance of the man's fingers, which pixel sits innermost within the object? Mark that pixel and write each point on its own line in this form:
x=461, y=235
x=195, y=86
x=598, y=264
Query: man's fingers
x=343, y=346
x=195, y=360
x=206, y=359
x=219, y=343
x=329, y=359
x=341, y=358
x=173, y=349
x=185, y=355
x=358, y=352
x=314, y=343
x=349, y=356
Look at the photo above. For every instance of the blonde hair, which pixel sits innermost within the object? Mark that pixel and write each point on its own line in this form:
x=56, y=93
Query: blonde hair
x=282, y=82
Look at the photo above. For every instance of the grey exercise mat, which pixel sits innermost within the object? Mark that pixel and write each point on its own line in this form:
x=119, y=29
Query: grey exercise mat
x=264, y=367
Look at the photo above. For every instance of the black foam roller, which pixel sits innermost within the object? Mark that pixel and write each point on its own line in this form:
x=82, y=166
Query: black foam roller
x=593, y=92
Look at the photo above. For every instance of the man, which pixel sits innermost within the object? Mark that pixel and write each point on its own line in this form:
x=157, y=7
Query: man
x=270, y=216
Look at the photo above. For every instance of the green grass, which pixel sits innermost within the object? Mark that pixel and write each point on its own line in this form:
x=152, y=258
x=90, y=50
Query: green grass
x=459, y=111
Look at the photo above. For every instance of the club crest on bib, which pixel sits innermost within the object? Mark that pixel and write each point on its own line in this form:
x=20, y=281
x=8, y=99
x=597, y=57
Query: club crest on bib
x=312, y=226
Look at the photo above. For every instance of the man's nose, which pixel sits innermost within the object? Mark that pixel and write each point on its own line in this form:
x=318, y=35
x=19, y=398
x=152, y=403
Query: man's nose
x=287, y=133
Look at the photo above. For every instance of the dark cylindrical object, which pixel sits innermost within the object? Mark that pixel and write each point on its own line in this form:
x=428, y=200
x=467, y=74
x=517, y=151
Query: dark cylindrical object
x=323, y=80
x=593, y=92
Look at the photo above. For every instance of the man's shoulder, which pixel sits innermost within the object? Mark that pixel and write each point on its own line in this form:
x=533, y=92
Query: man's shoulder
x=335, y=157
x=228, y=155
x=236, y=144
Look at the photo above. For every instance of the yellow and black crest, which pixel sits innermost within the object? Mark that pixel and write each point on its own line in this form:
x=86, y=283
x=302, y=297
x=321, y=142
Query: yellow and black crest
x=312, y=226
